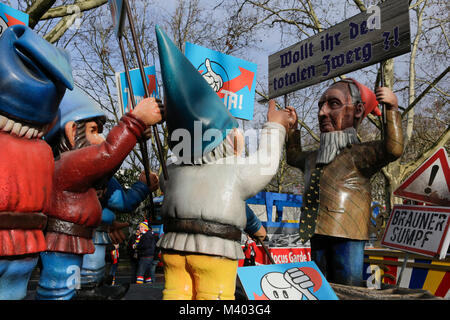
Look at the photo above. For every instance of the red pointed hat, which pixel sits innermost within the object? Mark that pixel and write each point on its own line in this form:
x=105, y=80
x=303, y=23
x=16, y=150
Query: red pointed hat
x=366, y=96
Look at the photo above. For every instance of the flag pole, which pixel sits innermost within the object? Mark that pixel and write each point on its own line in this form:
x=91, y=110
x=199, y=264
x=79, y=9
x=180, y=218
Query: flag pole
x=144, y=81
x=142, y=143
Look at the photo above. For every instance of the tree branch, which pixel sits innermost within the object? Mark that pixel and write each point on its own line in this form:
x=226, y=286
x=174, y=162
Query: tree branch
x=430, y=86
x=63, y=11
x=37, y=9
x=411, y=166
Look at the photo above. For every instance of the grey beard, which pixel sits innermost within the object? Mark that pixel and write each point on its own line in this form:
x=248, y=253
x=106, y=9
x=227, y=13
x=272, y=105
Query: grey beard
x=331, y=144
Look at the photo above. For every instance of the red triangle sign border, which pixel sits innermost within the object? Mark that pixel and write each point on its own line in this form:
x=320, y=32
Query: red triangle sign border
x=442, y=156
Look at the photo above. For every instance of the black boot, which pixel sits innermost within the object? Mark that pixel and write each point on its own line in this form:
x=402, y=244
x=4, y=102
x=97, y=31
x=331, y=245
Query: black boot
x=102, y=292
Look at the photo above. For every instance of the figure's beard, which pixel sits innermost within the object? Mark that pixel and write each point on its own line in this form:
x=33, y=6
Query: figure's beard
x=331, y=143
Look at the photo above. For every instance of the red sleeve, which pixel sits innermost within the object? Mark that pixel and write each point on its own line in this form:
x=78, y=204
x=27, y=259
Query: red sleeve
x=79, y=169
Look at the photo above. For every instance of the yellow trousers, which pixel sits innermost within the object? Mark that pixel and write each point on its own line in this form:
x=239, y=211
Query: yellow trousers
x=198, y=277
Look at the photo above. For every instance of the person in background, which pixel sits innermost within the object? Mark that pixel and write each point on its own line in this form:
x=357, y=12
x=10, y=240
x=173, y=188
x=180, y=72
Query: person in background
x=249, y=252
x=115, y=262
x=145, y=246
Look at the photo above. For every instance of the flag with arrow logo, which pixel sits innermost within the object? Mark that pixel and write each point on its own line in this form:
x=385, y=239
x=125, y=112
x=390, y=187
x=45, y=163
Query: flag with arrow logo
x=233, y=79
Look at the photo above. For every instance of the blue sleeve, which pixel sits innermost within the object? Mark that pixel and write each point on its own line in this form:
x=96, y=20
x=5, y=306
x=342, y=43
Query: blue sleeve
x=119, y=199
x=253, y=223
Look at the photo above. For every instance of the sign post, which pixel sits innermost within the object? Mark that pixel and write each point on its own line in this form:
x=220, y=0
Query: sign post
x=350, y=45
x=120, y=8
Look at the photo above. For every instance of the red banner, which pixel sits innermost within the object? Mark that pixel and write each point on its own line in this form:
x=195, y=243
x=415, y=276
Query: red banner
x=281, y=255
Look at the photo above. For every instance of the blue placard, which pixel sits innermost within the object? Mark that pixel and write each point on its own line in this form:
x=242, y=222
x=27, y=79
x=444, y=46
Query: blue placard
x=138, y=88
x=118, y=15
x=289, y=281
x=10, y=17
x=232, y=78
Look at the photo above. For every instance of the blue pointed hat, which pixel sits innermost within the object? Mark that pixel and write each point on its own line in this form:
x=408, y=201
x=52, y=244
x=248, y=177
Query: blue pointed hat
x=75, y=106
x=34, y=75
x=190, y=99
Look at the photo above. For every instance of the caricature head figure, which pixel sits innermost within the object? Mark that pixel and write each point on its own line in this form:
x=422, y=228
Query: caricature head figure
x=344, y=105
x=80, y=123
x=275, y=287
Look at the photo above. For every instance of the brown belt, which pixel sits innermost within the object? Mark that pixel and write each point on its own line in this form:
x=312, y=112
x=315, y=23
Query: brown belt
x=208, y=228
x=69, y=228
x=22, y=220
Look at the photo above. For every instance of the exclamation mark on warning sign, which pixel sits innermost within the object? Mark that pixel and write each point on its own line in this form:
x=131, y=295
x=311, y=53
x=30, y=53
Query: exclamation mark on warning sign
x=434, y=171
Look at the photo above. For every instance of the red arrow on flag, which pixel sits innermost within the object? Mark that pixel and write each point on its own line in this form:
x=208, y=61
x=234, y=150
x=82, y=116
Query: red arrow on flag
x=13, y=21
x=245, y=79
x=151, y=83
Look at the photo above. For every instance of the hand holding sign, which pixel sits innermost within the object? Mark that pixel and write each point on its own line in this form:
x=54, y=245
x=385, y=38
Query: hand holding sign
x=387, y=97
x=213, y=79
x=285, y=117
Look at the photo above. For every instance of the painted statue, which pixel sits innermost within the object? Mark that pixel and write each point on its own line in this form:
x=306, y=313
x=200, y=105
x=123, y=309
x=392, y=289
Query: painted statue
x=84, y=162
x=34, y=76
x=336, y=202
x=204, y=198
x=116, y=199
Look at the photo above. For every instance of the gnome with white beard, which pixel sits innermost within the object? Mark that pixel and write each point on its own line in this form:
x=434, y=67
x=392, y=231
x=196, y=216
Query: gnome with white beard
x=204, y=198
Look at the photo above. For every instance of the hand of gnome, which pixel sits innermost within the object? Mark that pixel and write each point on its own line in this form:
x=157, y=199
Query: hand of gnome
x=283, y=116
x=387, y=97
x=115, y=232
x=154, y=180
x=213, y=79
x=148, y=111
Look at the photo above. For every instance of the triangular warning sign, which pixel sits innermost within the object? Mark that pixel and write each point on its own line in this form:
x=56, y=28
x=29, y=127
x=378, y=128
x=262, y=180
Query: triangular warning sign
x=430, y=182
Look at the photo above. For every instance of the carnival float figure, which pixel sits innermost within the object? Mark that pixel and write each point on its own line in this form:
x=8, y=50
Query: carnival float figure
x=85, y=161
x=204, y=198
x=34, y=76
x=336, y=202
x=114, y=200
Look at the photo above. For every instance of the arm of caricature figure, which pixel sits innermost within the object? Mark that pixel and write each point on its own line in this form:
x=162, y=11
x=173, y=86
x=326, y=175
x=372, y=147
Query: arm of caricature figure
x=370, y=157
x=78, y=170
x=259, y=168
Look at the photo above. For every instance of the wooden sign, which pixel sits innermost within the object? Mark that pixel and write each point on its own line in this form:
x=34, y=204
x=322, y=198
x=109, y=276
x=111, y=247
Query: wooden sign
x=419, y=229
x=350, y=45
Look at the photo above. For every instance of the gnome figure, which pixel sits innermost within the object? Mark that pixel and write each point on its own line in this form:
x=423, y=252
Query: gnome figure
x=204, y=198
x=84, y=162
x=34, y=76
